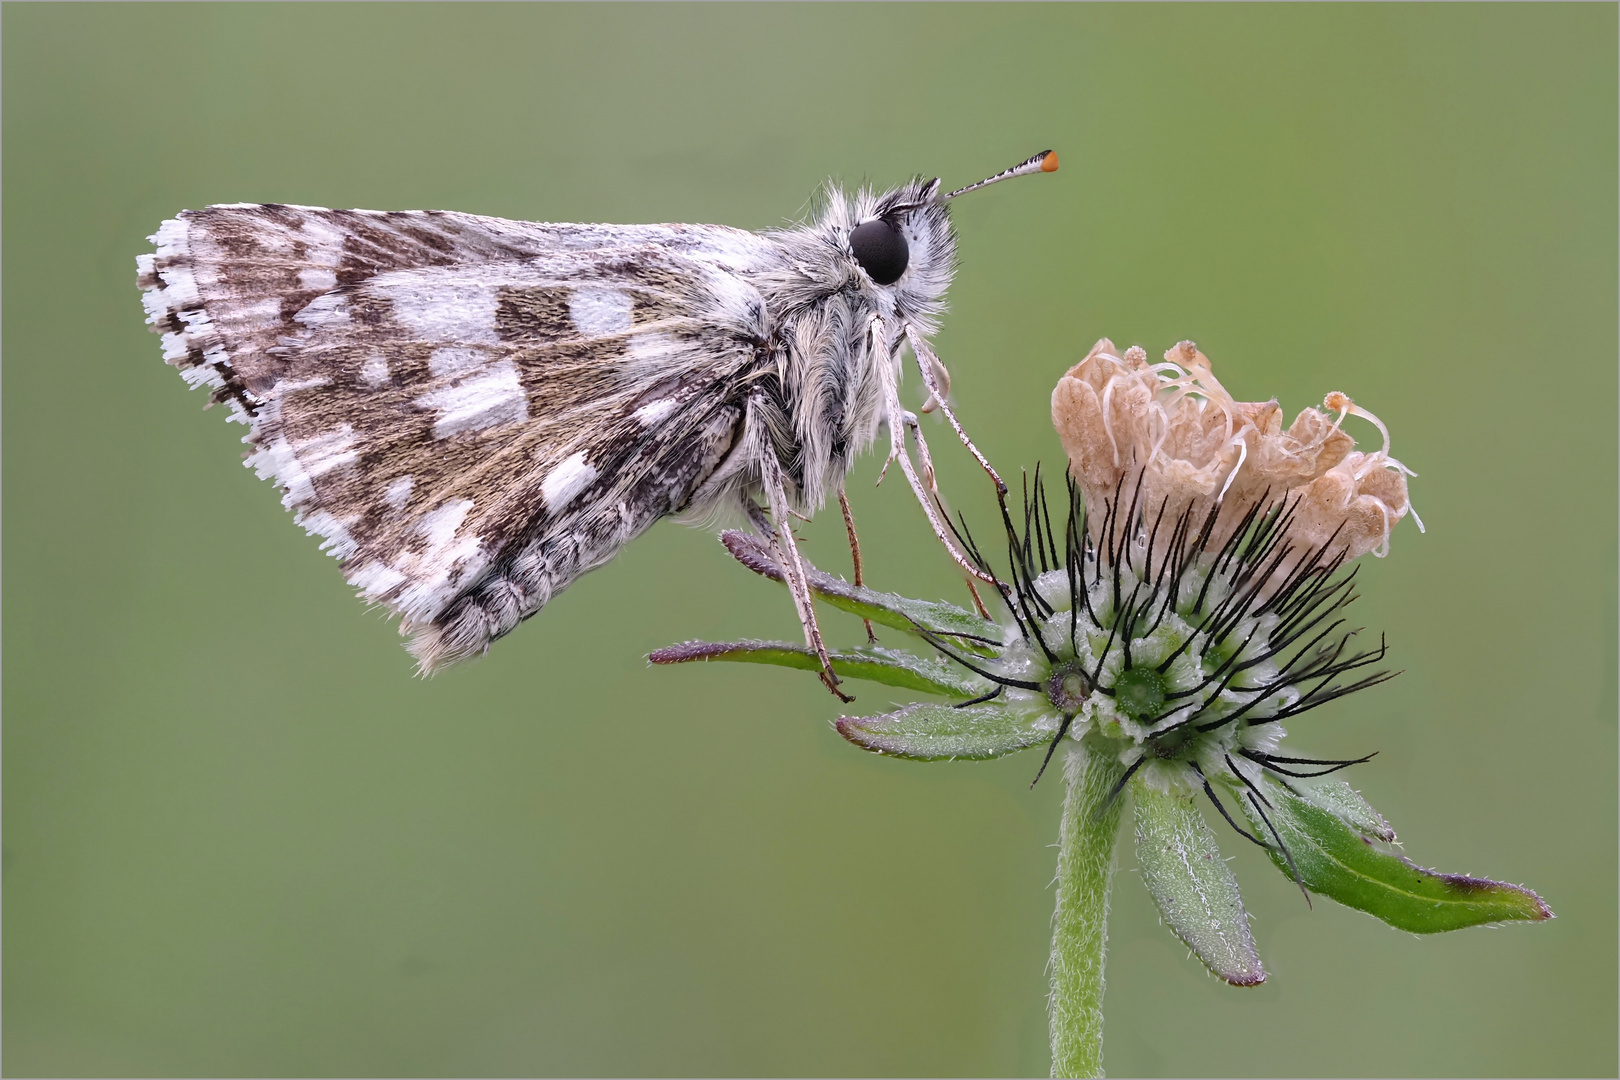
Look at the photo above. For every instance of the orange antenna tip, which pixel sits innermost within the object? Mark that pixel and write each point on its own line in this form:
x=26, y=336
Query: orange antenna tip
x=1045, y=161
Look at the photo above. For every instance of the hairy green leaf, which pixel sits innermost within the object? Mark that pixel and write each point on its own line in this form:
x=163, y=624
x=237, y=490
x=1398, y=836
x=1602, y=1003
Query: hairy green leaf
x=1194, y=887
x=888, y=666
x=1345, y=803
x=1338, y=861
x=928, y=732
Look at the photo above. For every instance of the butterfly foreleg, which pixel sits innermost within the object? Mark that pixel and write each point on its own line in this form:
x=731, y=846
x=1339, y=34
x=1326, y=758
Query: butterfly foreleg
x=937, y=395
x=898, y=420
x=927, y=461
x=938, y=390
x=937, y=378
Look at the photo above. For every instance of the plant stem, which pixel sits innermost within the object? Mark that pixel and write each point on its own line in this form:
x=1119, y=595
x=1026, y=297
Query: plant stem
x=1080, y=927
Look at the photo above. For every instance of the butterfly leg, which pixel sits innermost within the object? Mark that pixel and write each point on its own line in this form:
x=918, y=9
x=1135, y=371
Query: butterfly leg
x=937, y=378
x=942, y=375
x=780, y=533
x=931, y=366
x=897, y=420
x=855, y=554
x=927, y=461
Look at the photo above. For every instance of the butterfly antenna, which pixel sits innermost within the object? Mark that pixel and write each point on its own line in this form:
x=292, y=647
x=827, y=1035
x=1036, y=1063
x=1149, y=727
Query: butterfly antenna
x=1045, y=161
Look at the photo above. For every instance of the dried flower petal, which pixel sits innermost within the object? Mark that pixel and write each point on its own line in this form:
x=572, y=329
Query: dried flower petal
x=1170, y=436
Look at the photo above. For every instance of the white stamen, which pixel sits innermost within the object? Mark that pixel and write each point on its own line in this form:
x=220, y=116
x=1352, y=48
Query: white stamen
x=1243, y=454
x=1108, y=426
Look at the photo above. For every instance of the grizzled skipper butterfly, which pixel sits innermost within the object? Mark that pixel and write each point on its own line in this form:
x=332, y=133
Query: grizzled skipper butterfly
x=473, y=412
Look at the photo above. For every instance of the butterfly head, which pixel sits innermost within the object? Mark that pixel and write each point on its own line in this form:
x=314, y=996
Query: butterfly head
x=899, y=244
x=897, y=247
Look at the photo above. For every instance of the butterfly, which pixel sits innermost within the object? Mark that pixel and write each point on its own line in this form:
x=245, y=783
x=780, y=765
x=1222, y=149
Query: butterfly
x=471, y=412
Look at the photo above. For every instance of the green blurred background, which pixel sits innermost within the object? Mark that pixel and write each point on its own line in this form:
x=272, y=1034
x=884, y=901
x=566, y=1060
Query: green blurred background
x=240, y=838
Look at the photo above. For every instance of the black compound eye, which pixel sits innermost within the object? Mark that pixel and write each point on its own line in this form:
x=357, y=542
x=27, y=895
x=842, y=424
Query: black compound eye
x=881, y=249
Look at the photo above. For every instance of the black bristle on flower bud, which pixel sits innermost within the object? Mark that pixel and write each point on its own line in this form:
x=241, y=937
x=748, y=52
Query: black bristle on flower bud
x=1259, y=632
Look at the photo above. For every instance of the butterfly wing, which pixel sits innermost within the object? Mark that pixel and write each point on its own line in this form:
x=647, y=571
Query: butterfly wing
x=470, y=411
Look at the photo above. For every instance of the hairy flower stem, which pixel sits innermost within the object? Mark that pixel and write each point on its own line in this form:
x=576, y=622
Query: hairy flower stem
x=1080, y=926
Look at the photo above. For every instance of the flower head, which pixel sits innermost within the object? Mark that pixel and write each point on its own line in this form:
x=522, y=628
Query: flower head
x=1182, y=598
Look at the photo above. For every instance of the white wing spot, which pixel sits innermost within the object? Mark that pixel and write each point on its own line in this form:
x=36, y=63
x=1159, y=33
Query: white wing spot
x=597, y=312
x=325, y=312
x=650, y=353
x=435, y=310
x=654, y=411
x=293, y=386
x=319, y=278
x=205, y=375
x=566, y=481
x=374, y=372
x=295, y=467
x=455, y=361
x=432, y=571
x=398, y=492
x=323, y=243
x=439, y=527
x=264, y=312
x=276, y=461
x=327, y=451
x=487, y=398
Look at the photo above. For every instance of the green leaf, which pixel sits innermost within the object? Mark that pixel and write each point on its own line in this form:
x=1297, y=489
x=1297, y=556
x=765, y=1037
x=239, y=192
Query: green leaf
x=1336, y=860
x=928, y=732
x=1194, y=887
x=888, y=666
x=963, y=627
x=1345, y=803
